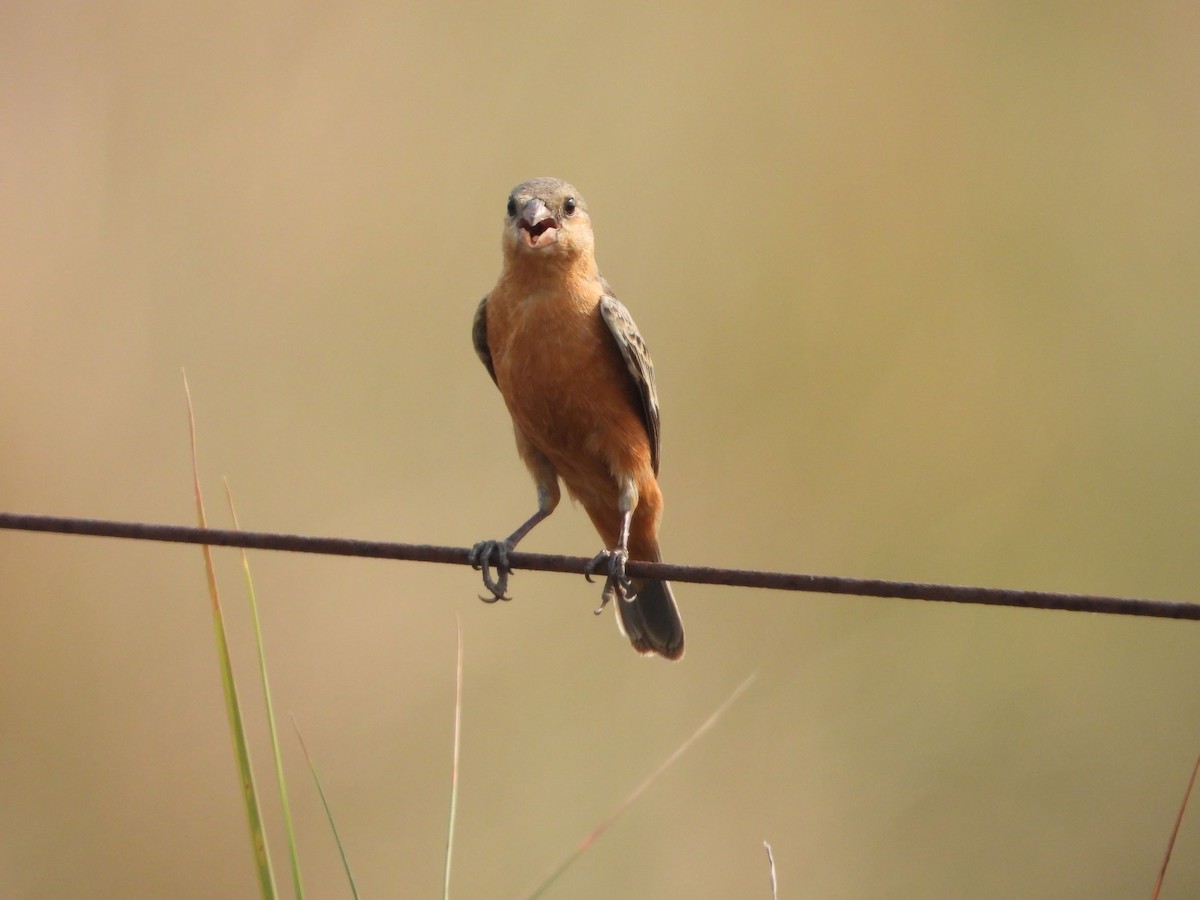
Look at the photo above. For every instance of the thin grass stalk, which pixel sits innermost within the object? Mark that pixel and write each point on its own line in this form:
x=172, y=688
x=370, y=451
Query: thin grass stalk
x=293, y=851
x=454, y=760
x=328, y=812
x=1162, y=872
x=594, y=835
x=258, y=836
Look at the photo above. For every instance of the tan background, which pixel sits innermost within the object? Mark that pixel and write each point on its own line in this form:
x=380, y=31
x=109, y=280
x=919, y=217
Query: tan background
x=921, y=286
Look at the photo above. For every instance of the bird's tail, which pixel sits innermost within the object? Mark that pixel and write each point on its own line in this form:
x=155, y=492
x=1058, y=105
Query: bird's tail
x=651, y=620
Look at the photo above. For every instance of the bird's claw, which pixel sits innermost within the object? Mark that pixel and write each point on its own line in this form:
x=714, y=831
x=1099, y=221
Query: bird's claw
x=616, y=582
x=485, y=556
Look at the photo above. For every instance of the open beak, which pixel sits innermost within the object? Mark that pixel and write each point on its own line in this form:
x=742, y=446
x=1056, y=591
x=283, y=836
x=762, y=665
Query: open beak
x=535, y=226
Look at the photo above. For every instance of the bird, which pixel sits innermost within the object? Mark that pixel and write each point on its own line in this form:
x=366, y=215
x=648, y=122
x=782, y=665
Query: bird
x=579, y=386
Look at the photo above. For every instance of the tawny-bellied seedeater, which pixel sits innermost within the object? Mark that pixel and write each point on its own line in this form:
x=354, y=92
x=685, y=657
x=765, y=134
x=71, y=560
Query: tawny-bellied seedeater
x=579, y=385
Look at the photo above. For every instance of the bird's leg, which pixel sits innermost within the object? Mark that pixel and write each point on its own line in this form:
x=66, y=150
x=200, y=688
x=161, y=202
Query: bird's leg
x=487, y=555
x=617, y=584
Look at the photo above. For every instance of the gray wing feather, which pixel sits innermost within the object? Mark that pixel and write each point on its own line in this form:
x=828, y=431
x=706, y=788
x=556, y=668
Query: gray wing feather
x=479, y=338
x=637, y=360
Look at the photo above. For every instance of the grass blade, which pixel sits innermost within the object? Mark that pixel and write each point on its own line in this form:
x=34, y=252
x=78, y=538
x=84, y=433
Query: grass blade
x=594, y=835
x=1162, y=872
x=771, y=863
x=258, y=837
x=328, y=812
x=454, y=759
x=293, y=852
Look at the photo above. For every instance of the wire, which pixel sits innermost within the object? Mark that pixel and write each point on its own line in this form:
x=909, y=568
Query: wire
x=782, y=581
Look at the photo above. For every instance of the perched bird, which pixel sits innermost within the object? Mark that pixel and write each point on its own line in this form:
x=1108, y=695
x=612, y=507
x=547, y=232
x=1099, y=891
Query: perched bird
x=579, y=385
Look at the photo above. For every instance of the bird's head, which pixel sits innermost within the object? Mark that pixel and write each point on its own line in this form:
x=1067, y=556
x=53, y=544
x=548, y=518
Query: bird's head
x=546, y=218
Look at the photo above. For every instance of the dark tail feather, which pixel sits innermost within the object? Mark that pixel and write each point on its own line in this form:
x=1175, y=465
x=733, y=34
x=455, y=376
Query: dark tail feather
x=651, y=620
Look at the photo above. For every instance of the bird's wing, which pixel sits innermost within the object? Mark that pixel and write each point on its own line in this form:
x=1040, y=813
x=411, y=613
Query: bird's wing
x=479, y=338
x=637, y=360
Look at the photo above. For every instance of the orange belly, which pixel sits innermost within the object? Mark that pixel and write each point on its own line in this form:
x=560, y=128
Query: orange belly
x=568, y=391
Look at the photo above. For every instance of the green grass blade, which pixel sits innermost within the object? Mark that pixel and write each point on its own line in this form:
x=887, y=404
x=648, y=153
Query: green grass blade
x=258, y=837
x=454, y=760
x=293, y=852
x=594, y=835
x=328, y=813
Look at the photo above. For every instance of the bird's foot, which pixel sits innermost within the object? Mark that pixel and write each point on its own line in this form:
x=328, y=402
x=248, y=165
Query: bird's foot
x=617, y=584
x=488, y=555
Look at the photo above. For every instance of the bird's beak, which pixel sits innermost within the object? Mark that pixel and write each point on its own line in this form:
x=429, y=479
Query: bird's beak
x=536, y=227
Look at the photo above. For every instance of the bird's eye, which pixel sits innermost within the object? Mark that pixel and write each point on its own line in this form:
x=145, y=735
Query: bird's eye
x=569, y=205
x=512, y=206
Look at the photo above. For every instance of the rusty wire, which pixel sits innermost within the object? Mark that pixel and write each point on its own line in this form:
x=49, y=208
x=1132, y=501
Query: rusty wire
x=543, y=562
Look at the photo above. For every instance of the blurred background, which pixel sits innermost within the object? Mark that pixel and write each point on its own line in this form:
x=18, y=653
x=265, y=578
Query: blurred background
x=921, y=288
